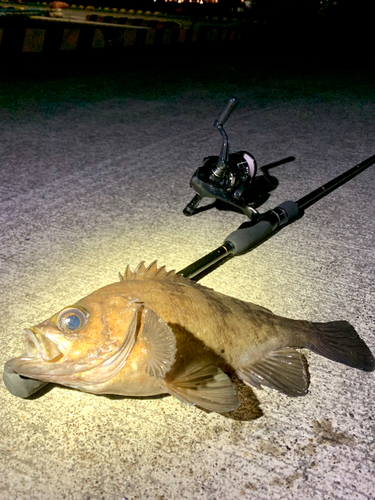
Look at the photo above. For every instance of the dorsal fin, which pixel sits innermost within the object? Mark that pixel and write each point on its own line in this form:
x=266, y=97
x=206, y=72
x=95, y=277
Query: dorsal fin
x=152, y=272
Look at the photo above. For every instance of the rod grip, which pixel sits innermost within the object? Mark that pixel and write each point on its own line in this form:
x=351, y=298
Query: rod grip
x=245, y=238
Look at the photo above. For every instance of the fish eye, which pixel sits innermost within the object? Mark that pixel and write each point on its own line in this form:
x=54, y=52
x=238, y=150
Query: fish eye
x=70, y=320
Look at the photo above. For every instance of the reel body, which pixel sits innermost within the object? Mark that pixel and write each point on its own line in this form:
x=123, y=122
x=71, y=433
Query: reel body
x=232, y=187
x=227, y=177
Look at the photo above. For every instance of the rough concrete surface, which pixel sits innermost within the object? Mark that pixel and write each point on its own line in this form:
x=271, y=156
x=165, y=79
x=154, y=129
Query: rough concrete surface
x=95, y=169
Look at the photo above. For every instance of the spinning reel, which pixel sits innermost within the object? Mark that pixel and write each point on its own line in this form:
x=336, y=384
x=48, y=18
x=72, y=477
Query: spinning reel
x=227, y=177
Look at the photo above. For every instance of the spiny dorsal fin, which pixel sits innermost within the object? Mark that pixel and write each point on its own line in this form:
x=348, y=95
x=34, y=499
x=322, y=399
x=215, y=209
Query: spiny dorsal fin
x=152, y=272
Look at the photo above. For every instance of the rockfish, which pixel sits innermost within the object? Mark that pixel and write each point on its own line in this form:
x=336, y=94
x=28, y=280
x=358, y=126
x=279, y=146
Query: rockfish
x=156, y=332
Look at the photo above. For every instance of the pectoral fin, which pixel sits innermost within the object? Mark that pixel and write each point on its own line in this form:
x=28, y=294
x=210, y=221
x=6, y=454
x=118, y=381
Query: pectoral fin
x=284, y=370
x=206, y=386
x=160, y=343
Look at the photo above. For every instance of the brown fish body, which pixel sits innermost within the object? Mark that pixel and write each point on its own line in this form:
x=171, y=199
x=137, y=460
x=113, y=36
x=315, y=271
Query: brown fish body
x=156, y=332
x=227, y=326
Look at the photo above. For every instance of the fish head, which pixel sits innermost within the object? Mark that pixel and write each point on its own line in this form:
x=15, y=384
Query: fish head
x=87, y=330
x=83, y=344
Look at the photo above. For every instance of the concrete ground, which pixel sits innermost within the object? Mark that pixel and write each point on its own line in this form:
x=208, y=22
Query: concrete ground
x=95, y=169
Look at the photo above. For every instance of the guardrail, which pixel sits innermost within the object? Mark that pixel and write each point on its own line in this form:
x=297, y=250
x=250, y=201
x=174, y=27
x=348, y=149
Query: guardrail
x=49, y=35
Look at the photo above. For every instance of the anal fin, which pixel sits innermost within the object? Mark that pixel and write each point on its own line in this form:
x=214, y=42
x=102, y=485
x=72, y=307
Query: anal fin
x=284, y=370
x=206, y=386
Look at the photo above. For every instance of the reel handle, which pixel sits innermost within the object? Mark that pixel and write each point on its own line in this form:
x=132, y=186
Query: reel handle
x=224, y=115
x=219, y=170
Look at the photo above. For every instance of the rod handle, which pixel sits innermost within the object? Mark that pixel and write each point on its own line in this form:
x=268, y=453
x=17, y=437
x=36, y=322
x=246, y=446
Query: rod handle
x=244, y=238
x=247, y=237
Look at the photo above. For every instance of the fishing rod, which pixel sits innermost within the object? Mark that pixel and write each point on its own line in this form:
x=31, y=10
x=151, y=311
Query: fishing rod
x=230, y=178
x=264, y=225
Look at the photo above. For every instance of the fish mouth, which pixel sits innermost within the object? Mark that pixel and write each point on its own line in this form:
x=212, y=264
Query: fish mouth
x=38, y=346
x=44, y=359
x=41, y=354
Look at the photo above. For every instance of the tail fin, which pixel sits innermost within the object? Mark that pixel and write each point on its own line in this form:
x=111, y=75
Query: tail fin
x=339, y=341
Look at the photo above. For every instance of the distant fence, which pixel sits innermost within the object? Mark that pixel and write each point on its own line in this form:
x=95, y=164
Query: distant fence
x=52, y=36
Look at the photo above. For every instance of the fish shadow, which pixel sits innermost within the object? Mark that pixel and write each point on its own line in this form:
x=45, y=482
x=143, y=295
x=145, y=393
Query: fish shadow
x=43, y=391
x=248, y=410
x=49, y=387
x=116, y=397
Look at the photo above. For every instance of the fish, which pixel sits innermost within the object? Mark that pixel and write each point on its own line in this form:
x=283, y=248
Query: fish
x=156, y=332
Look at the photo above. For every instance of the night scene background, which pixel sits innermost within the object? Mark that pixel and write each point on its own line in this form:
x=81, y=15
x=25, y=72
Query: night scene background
x=106, y=111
